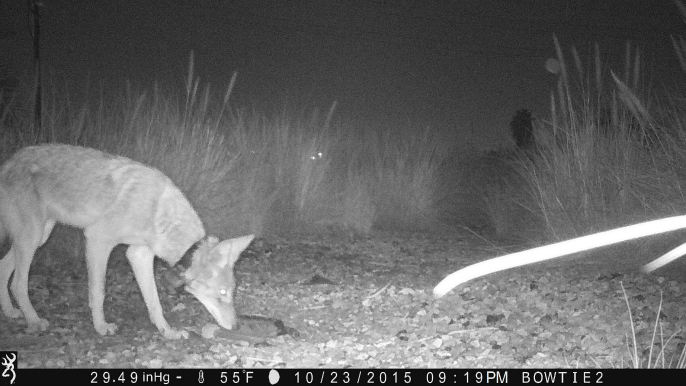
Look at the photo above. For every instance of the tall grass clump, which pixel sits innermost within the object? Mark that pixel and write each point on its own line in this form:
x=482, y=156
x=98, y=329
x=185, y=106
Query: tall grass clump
x=247, y=171
x=404, y=169
x=655, y=359
x=195, y=143
x=607, y=154
x=188, y=138
x=295, y=156
x=509, y=209
x=611, y=153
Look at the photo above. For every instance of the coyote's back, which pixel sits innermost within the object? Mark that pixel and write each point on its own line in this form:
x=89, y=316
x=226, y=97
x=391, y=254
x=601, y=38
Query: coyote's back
x=85, y=188
x=115, y=200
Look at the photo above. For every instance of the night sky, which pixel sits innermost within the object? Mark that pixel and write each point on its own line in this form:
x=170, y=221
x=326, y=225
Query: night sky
x=459, y=65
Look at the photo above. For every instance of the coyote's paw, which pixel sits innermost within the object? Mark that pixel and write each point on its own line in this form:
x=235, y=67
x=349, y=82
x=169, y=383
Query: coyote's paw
x=38, y=325
x=175, y=334
x=106, y=328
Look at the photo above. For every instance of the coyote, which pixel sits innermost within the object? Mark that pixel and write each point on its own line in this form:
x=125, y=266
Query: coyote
x=115, y=200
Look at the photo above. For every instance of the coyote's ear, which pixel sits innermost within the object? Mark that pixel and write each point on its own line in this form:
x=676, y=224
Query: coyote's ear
x=230, y=250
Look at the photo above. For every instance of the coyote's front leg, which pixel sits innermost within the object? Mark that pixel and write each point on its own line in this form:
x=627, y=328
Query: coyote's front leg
x=97, y=254
x=142, y=259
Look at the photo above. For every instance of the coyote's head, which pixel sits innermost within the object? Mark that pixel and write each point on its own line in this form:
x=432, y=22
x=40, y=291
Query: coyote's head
x=210, y=276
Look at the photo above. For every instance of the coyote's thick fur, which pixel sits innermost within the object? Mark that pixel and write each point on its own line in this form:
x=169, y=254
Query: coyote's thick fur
x=115, y=200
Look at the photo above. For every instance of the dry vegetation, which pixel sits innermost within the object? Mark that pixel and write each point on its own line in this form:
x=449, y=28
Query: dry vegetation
x=611, y=153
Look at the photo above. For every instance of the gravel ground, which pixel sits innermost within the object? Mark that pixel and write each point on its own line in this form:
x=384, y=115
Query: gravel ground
x=329, y=301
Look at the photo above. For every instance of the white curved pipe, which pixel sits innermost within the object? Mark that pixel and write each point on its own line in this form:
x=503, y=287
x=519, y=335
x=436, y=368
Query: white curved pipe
x=568, y=247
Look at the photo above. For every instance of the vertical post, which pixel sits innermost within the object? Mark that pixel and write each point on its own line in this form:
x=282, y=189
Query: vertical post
x=38, y=103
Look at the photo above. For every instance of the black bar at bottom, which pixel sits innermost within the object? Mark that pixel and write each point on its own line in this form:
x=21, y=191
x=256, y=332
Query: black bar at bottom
x=210, y=377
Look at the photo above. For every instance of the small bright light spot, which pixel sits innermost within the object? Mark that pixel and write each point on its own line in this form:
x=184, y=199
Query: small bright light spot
x=552, y=65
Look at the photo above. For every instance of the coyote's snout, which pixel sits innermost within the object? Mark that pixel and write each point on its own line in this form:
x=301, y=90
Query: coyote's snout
x=115, y=200
x=210, y=276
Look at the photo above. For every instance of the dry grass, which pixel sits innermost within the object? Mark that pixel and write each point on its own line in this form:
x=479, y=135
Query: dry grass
x=246, y=171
